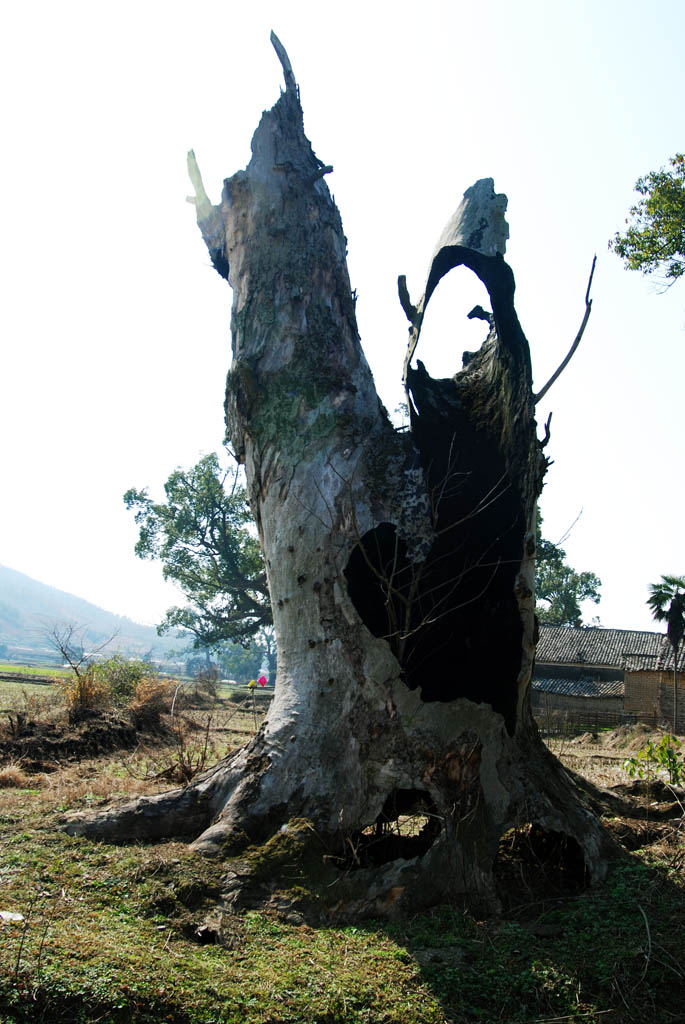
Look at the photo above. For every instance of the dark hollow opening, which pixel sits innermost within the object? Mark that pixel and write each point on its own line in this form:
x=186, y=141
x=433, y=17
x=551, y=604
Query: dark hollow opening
x=452, y=621
x=454, y=627
x=406, y=828
x=535, y=864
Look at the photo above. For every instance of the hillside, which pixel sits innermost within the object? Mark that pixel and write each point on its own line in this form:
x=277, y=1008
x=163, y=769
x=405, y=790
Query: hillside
x=29, y=610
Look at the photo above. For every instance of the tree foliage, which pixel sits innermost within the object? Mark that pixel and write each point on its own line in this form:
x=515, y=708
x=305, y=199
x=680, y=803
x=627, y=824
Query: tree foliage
x=235, y=661
x=559, y=588
x=655, y=237
x=203, y=533
x=240, y=664
x=667, y=604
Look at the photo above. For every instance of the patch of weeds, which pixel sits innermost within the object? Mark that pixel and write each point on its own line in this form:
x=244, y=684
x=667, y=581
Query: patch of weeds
x=658, y=758
x=588, y=954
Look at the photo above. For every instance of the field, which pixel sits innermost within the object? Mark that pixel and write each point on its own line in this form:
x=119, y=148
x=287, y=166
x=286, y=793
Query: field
x=9, y=691
x=118, y=934
x=28, y=673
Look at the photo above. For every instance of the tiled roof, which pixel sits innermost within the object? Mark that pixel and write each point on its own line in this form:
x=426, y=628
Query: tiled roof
x=660, y=661
x=614, y=648
x=583, y=687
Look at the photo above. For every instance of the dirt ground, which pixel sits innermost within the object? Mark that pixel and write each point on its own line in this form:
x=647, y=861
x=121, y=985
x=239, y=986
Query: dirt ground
x=600, y=757
x=41, y=746
x=38, y=737
x=106, y=756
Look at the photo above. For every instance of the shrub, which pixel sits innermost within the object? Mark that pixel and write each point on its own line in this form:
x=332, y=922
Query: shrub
x=207, y=681
x=101, y=684
x=658, y=757
x=83, y=693
x=193, y=749
x=151, y=699
x=121, y=677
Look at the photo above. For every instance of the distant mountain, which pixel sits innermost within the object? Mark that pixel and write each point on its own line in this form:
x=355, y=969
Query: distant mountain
x=29, y=610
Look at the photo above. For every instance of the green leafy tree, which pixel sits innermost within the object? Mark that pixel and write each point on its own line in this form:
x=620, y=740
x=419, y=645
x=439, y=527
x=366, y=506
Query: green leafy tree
x=655, y=236
x=203, y=533
x=667, y=604
x=235, y=661
x=198, y=664
x=559, y=588
x=240, y=663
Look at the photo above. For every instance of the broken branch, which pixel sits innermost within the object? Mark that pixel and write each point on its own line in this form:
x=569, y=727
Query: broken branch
x=200, y=200
x=405, y=301
x=545, y=440
x=278, y=46
x=576, y=343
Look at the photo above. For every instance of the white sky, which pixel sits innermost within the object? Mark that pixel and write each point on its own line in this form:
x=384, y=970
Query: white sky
x=115, y=329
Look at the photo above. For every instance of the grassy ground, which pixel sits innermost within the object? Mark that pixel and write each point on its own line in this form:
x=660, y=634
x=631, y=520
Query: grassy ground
x=114, y=934
x=12, y=691
x=33, y=670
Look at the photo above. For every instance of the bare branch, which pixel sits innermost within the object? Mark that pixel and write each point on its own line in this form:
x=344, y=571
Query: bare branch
x=567, y=532
x=576, y=343
x=324, y=169
x=209, y=219
x=545, y=440
x=478, y=313
x=69, y=641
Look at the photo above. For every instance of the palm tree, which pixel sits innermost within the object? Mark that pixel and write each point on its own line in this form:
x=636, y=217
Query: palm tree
x=667, y=603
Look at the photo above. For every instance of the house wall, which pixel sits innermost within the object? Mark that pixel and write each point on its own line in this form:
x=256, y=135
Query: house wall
x=564, y=701
x=651, y=693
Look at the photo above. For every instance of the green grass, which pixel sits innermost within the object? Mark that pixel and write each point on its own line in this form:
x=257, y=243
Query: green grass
x=12, y=692
x=35, y=670
x=115, y=948
x=108, y=937
x=28, y=672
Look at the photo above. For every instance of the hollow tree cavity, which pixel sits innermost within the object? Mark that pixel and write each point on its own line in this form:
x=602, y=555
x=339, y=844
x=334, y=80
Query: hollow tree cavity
x=400, y=564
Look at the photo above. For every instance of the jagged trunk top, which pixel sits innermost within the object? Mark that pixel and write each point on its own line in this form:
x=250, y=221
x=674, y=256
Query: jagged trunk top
x=445, y=510
x=400, y=563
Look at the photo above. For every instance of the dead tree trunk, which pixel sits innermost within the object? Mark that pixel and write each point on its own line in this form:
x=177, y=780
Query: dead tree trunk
x=400, y=564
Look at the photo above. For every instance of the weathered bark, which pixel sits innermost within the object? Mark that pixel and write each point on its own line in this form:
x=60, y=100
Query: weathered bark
x=400, y=564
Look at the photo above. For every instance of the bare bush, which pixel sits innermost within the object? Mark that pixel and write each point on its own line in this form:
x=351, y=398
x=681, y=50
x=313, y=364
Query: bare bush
x=151, y=699
x=207, y=681
x=193, y=748
x=83, y=693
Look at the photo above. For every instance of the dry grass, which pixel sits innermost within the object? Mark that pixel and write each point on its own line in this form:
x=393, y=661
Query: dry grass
x=152, y=697
x=122, y=775
x=12, y=777
x=32, y=698
x=111, y=933
x=600, y=756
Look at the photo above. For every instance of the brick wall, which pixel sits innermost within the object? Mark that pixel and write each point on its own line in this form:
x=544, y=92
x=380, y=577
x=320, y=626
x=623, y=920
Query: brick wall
x=651, y=693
